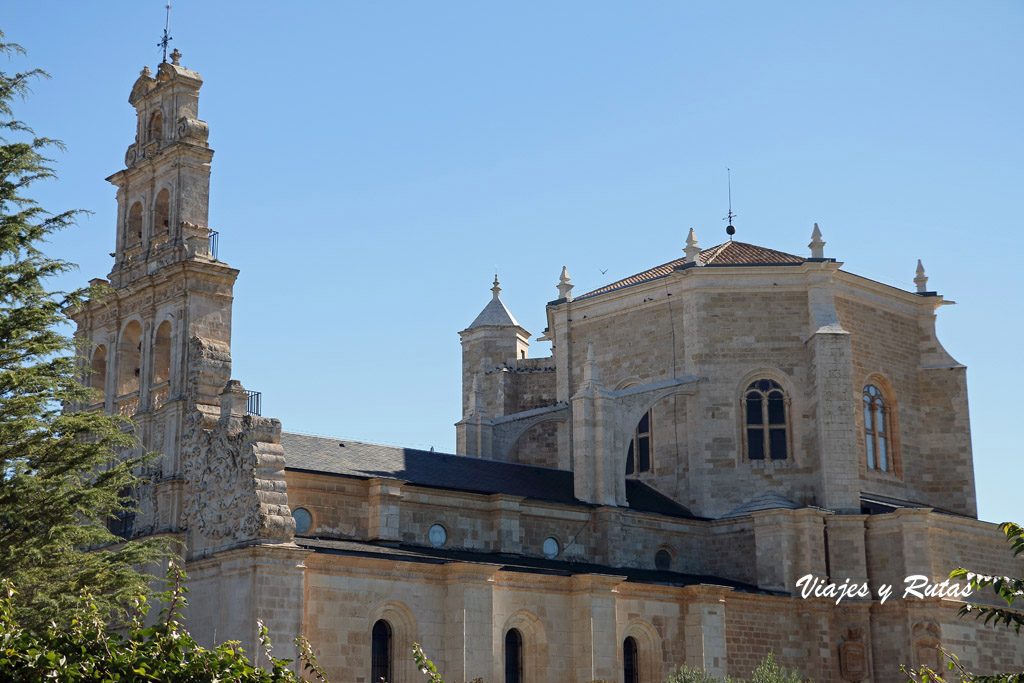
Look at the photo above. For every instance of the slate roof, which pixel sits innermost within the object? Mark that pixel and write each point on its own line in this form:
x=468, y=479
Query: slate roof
x=441, y=470
x=725, y=254
x=494, y=313
x=870, y=504
x=429, y=555
x=767, y=500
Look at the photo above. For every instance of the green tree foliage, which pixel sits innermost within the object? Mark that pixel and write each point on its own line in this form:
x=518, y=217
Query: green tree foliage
x=1008, y=589
x=60, y=475
x=87, y=650
x=768, y=671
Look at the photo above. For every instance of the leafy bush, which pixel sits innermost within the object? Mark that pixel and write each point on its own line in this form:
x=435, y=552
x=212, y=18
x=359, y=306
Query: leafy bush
x=88, y=650
x=768, y=671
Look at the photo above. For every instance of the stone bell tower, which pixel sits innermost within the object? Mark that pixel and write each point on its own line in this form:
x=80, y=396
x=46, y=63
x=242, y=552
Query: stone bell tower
x=161, y=355
x=161, y=338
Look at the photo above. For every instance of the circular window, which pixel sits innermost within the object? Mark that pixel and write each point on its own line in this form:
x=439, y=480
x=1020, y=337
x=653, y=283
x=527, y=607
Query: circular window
x=551, y=548
x=438, y=535
x=663, y=560
x=303, y=520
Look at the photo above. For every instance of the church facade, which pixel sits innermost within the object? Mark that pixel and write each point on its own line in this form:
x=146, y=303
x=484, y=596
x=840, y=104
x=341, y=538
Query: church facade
x=706, y=438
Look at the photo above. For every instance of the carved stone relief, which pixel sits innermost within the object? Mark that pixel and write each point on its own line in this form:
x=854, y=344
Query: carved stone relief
x=853, y=656
x=234, y=466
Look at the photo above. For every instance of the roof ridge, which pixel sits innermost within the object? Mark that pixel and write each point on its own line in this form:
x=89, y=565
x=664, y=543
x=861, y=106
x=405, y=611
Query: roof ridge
x=731, y=253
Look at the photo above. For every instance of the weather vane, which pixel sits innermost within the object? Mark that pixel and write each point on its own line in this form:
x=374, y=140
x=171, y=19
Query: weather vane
x=166, y=39
x=730, y=229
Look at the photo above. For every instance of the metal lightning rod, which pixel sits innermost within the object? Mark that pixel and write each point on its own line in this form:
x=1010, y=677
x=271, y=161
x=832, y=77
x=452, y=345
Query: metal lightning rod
x=167, y=38
x=730, y=229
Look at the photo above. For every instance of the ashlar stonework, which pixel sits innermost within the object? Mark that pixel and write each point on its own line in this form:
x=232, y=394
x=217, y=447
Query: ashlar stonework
x=703, y=435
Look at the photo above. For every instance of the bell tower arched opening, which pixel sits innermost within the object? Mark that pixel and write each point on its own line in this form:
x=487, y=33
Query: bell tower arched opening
x=129, y=359
x=133, y=231
x=162, y=212
x=161, y=364
x=155, y=129
x=98, y=376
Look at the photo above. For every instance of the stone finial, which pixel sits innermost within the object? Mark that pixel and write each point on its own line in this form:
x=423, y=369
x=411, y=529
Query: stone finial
x=496, y=289
x=817, y=244
x=921, y=280
x=692, y=249
x=590, y=366
x=146, y=72
x=233, y=400
x=175, y=57
x=564, y=285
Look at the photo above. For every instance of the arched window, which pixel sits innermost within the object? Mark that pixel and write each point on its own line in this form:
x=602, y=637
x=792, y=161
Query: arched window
x=513, y=656
x=162, y=212
x=134, y=234
x=161, y=365
x=630, y=661
x=162, y=353
x=663, y=560
x=766, y=420
x=638, y=457
x=156, y=126
x=877, y=429
x=380, y=655
x=129, y=356
x=98, y=376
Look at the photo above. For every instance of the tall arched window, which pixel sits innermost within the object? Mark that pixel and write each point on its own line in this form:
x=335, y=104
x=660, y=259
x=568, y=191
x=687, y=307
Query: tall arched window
x=129, y=356
x=162, y=212
x=134, y=234
x=161, y=365
x=513, y=656
x=877, y=429
x=766, y=419
x=638, y=457
x=98, y=377
x=380, y=654
x=630, y=661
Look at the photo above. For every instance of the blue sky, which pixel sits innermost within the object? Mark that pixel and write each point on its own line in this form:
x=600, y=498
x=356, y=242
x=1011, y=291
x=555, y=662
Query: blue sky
x=374, y=161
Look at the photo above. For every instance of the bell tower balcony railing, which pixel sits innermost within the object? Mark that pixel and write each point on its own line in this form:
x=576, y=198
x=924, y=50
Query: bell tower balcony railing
x=255, y=400
x=127, y=405
x=161, y=392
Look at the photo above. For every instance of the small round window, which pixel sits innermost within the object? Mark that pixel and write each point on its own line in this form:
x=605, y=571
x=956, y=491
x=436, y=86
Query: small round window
x=663, y=560
x=551, y=548
x=303, y=520
x=438, y=535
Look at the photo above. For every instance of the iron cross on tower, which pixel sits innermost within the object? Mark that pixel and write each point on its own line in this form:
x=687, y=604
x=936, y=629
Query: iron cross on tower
x=167, y=38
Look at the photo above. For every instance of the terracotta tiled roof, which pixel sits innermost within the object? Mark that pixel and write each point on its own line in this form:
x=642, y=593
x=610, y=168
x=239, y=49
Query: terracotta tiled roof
x=725, y=254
